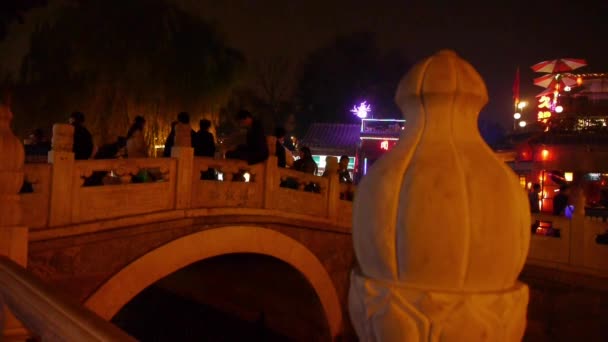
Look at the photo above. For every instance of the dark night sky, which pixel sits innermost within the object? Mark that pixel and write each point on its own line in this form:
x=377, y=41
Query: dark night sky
x=494, y=38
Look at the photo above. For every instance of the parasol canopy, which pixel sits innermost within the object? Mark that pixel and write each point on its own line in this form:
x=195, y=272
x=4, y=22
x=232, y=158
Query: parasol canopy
x=559, y=65
x=546, y=92
x=551, y=80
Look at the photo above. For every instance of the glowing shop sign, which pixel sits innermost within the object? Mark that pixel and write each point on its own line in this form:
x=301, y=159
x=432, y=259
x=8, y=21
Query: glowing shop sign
x=543, y=115
x=362, y=110
x=384, y=145
x=544, y=104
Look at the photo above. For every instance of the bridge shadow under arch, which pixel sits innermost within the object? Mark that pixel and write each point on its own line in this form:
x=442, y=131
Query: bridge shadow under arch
x=125, y=285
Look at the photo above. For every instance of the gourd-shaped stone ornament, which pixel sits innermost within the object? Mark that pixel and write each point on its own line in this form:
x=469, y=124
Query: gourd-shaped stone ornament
x=440, y=225
x=12, y=157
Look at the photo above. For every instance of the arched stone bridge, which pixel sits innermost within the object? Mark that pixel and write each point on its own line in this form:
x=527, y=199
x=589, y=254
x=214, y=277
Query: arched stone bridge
x=105, y=244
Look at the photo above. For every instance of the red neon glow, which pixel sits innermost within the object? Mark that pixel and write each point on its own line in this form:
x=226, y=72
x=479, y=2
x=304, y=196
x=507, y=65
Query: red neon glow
x=545, y=154
x=384, y=145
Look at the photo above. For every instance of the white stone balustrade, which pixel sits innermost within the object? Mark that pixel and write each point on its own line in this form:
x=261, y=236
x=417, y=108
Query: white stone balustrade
x=576, y=249
x=63, y=194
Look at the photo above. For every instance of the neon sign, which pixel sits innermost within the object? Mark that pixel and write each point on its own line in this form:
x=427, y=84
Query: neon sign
x=384, y=145
x=362, y=110
x=545, y=108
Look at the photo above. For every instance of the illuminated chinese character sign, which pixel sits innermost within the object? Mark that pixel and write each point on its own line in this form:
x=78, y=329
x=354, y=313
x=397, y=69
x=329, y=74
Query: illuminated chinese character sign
x=384, y=145
x=544, y=108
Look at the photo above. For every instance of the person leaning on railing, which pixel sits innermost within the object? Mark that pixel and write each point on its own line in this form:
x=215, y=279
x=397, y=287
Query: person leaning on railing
x=307, y=164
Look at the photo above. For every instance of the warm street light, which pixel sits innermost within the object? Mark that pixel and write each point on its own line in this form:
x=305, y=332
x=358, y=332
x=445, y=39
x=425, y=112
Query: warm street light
x=522, y=124
x=559, y=109
x=517, y=116
x=522, y=104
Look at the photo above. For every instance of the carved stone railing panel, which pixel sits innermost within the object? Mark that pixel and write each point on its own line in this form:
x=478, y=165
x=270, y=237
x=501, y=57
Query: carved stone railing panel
x=90, y=203
x=579, y=243
x=550, y=238
x=122, y=169
x=302, y=193
x=36, y=203
x=241, y=185
x=594, y=250
x=303, y=180
x=228, y=170
x=347, y=191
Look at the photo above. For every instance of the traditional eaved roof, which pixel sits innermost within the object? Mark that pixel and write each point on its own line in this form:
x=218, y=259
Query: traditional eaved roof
x=332, y=139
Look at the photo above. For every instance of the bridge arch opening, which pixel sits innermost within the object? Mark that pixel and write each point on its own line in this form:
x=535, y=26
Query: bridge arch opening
x=178, y=254
x=232, y=297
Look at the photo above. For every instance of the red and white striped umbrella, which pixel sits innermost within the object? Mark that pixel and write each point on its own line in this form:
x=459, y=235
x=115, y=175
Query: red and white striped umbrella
x=559, y=65
x=546, y=92
x=551, y=80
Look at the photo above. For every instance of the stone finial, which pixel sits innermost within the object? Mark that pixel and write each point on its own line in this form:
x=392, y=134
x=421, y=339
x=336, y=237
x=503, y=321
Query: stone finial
x=12, y=158
x=331, y=164
x=63, y=137
x=579, y=201
x=183, y=137
x=440, y=225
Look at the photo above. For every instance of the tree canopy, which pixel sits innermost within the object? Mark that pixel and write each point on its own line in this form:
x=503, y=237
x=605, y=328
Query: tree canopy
x=115, y=59
x=14, y=11
x=350, y=70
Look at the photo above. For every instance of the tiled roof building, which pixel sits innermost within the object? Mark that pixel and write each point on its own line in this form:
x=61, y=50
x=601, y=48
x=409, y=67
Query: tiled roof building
x=332, y=139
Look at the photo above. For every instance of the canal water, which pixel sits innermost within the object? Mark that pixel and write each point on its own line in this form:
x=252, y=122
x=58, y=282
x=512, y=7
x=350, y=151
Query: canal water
x=159, y=315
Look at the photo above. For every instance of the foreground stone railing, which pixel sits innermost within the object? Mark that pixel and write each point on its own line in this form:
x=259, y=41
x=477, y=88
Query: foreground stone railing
x=68, y=192
x=570, y=244
x=28, y=308
x=47, y=315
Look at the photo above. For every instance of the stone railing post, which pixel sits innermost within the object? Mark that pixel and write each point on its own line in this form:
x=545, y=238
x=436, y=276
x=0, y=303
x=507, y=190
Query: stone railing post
x=13, y=236
x=577, y=226
x=184, y=153
x=333, y=196
x=439, y=253
x=62, y=175
x=271, y=173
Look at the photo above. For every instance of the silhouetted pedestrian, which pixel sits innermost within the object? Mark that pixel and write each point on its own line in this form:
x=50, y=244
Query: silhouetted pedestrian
x=83, y=141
